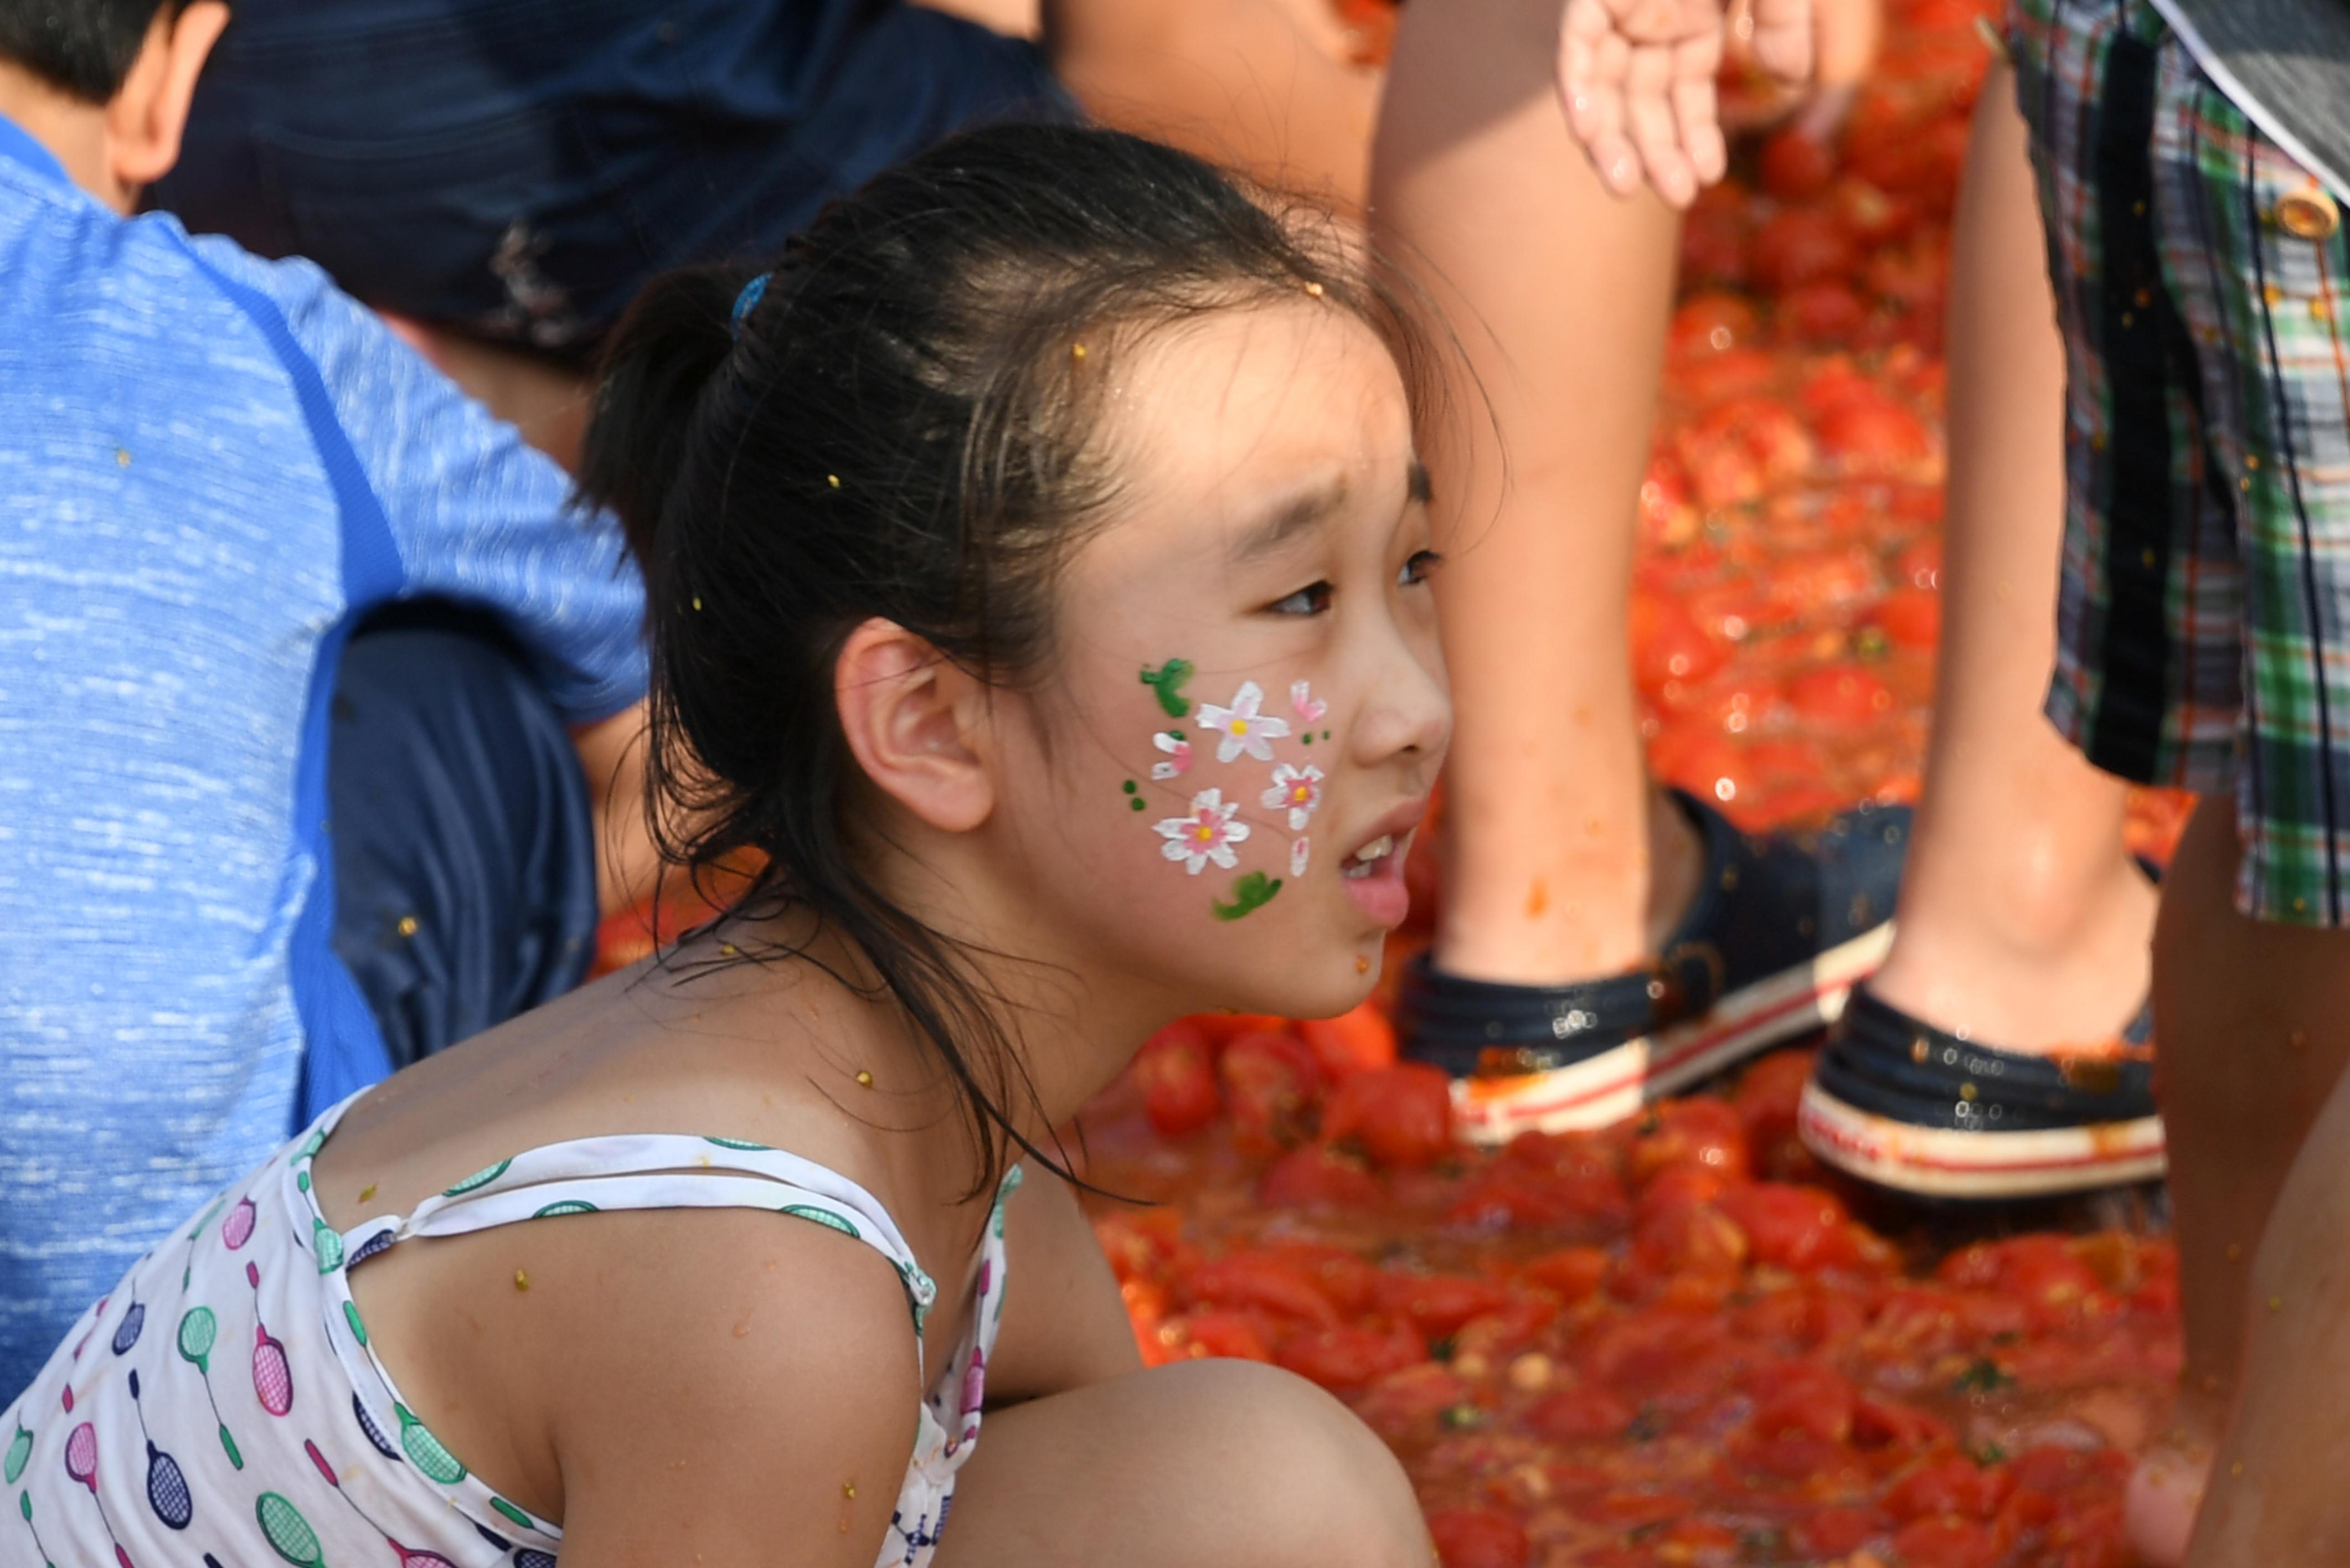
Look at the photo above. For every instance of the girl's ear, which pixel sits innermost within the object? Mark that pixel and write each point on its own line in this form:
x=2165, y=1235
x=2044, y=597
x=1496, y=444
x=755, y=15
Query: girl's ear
x=916, y=724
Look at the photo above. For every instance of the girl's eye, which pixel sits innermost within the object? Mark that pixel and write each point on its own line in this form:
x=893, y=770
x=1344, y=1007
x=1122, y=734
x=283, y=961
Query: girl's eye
x=1311, y=599
x=1419, y=568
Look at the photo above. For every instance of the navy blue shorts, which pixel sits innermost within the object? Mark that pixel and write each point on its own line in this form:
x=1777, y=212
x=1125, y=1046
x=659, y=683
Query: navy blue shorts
x=463, y=843
x=519, y=169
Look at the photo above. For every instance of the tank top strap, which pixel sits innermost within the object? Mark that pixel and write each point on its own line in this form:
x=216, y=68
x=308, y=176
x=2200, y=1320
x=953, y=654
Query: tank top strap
x=653, y=1171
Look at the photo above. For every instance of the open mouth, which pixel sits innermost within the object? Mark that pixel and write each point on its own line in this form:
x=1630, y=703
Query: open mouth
x=1363, y=862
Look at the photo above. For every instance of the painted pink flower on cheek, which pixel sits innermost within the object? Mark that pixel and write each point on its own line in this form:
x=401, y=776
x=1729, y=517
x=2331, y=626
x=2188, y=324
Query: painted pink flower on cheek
x=1299, y=790
x=1244, y=724
x=1178, y=755
x=1302, y=699
x=1207, y=834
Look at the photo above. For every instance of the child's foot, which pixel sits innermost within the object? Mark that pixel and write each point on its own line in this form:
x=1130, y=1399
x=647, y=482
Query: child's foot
x=2159, y=1510
x=1780, y=929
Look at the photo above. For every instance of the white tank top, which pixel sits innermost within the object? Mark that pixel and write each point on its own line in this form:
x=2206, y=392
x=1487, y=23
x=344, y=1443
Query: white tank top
x=223, y=1405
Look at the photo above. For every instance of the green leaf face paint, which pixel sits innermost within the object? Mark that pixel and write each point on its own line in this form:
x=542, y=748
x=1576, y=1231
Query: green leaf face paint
x=1166, y=681
x=1251, y=891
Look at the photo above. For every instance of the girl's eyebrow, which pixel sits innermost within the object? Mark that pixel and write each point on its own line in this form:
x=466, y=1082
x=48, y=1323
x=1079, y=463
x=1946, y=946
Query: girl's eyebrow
x=1300, y=513
x=1310, y=509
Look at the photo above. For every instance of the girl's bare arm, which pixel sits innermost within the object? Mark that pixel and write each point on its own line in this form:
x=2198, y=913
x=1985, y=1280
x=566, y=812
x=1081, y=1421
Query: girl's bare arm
x=1064, y=1324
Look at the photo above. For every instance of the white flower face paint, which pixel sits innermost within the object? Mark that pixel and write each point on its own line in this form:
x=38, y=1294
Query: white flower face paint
x=1301, y=700
x=1245, y=728
x=1299, y=849
x=1178, y=755
x=1207, y=834
x=1296, y=790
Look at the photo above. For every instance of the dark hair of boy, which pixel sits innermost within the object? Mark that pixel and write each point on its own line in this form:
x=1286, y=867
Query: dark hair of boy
x=84, y=47
x=907, y=424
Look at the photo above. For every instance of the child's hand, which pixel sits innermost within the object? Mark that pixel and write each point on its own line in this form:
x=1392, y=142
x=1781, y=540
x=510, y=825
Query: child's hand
x=1638, y=79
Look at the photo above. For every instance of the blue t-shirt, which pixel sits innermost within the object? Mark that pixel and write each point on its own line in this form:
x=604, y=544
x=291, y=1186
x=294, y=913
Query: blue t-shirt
x=209, y=464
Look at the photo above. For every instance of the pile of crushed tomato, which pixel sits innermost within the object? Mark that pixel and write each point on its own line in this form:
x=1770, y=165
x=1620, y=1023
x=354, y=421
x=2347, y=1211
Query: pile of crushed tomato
x=1680, y=1341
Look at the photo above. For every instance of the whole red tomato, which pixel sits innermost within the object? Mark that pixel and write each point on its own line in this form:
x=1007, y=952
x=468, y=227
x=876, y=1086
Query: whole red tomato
x=1271, y=1082
x=1400, y=1115
x=1911, y=618
x=1701, y=1131
x=1177, y=1070
x=1352, y=1041
x=1710, y=322
x=1796, y=165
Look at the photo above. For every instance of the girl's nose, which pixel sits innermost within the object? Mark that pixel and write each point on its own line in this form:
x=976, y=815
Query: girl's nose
x=1407, y=714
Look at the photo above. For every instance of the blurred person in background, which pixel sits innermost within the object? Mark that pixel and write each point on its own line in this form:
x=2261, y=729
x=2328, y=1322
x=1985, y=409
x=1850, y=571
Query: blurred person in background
x=306, y=666
x=504, y=175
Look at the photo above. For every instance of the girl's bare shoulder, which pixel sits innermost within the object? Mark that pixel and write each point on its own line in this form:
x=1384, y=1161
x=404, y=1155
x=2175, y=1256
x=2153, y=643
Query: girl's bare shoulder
x=759, y=1058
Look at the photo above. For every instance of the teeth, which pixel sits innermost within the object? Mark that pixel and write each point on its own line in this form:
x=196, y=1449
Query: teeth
x=1359, y=862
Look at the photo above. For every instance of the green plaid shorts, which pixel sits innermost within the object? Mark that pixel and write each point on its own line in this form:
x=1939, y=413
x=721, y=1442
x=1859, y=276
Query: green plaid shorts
x=2204, y=624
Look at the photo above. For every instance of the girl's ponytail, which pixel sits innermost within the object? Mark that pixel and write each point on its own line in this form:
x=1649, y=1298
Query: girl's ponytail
x=674, y=340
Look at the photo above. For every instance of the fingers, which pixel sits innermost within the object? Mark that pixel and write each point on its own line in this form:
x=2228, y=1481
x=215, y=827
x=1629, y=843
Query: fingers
x=1636, y=78
x=1782, y=38
x=1649, y=108
x=1698, y=115
x=1594, y=59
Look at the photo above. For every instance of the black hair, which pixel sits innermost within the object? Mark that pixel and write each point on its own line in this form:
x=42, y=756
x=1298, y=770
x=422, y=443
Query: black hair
x=80, y=46
x=904, y=425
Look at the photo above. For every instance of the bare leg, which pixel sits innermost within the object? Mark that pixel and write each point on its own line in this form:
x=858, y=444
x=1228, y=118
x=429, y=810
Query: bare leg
x=1257, y=85
x=1564, y=863
x=1204, y=1464
x=2022, y=920
x=2252, y=1021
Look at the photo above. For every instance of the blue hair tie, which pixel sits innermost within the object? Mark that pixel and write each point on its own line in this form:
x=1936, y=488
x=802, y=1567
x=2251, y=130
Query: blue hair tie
x=748, y=300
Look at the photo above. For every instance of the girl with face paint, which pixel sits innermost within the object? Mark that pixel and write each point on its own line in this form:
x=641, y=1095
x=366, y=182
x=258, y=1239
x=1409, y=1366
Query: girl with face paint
x=1037, y=569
